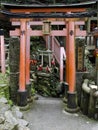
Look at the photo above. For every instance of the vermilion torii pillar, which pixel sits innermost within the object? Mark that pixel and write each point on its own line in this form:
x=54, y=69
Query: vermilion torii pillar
x=28, y=83
x=71, y=67
x=22, y=92
x=67, y=52
x=71, y=56
x=28, y=54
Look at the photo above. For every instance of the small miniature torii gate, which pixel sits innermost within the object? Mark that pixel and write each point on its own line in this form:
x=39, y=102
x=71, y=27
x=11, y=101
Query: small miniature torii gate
x=22, y=19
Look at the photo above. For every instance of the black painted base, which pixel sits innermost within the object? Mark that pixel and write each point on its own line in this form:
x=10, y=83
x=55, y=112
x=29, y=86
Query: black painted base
x=71, y=103
x=22, y=98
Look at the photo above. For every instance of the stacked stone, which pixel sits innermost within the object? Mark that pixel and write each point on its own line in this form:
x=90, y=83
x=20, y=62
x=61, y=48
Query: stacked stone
x=11, y=118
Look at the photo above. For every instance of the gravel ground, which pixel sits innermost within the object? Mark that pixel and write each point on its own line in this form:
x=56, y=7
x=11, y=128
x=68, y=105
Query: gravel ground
x=49, y=114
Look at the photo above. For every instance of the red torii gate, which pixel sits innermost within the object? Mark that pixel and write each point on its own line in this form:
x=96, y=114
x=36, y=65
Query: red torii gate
x=53, y=33
x=25, y=32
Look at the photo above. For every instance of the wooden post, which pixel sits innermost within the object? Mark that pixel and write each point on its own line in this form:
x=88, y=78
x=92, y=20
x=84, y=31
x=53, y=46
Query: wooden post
x=61, y=64
x=2, y=52
x=97, y=62
x=22, y=93
x=67, y=52
x=71, y=57
x=52, y=46
x=80, y=54
x=22, y=55
x=71, y=104
x=28, y=54
x=28, y=84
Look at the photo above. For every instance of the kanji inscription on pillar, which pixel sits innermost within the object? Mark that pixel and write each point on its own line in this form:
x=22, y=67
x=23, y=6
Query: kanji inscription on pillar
x=80, y=58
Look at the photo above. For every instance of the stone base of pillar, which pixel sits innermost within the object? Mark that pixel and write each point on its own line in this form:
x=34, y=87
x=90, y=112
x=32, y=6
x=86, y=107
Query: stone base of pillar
x=22, y=98
x=71, y=105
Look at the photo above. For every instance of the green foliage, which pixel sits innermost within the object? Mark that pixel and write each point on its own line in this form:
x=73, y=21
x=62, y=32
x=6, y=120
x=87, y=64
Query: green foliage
x=37, y=43
x=4, y=79
x=4, y=85
x=33, y=91
x=10, y=102
x=46, y=85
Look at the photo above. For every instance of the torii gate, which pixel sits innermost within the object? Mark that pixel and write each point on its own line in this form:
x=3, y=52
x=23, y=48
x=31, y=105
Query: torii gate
x=25, y=32
x=53, y=33
x=25, y=26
